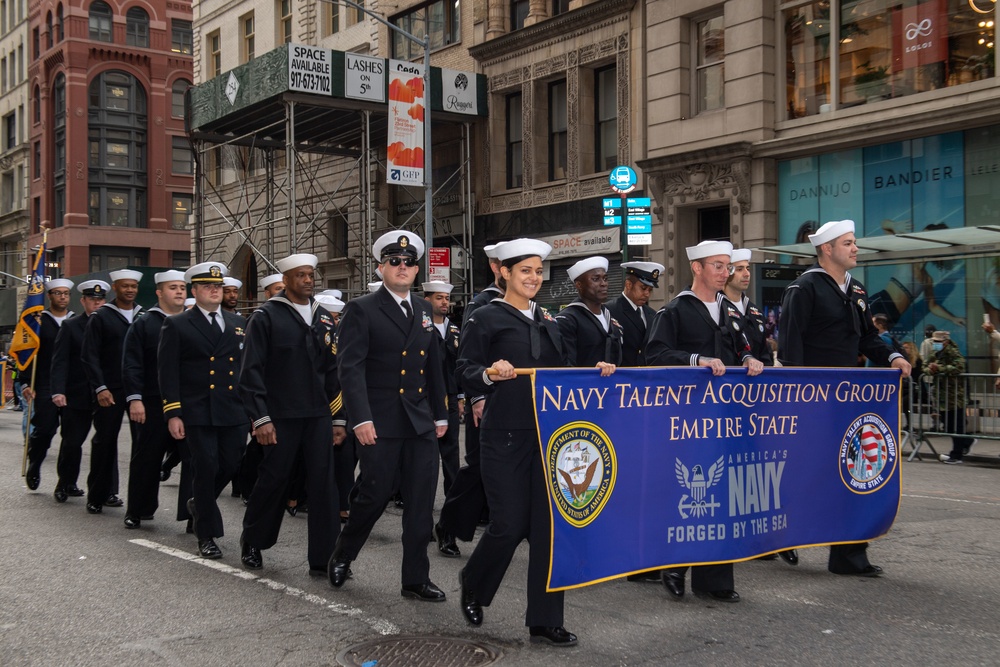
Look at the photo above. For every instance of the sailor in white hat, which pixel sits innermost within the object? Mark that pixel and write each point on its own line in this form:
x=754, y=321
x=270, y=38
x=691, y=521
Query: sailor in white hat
x=826, y=321
x=101, y=355
x=43, y=414
x=696, y=329
x=632, y=311
x=291, y=392
x=231, y=293
x=589, y=331
x=394, y=393
x=272, y=284
x=140, y=375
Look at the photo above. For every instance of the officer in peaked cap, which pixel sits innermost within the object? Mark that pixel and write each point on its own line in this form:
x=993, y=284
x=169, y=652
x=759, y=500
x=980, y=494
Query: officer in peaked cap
x=71, y=390
x=101, y=355
x=44, y=413
x=631, y=308
x=290, y=391
x=390, y=370
x=198, y=362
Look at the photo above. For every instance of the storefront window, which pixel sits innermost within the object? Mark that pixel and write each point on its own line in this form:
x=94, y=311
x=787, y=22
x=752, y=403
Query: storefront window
x=882, y=49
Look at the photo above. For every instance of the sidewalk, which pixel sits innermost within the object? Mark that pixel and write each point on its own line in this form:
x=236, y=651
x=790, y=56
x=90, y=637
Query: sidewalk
x=984, y=452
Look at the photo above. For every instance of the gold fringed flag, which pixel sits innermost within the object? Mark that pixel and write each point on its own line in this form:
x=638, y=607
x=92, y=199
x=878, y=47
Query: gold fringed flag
x=24, y=345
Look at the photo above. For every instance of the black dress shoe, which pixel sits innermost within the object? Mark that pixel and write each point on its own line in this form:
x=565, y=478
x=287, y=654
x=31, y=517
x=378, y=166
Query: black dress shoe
x=398, y=502
x=33, y=476
x=554, y=636
x=94, y=508
x=789, y=556
x=337, y=570
x=426, y=592
x=645, y=576
x=113, y=501
x=250, y=555
x=164, y=474
x=209, y=549
x=721, y=596
x=867, y=571
x=471, y=609
x=74, y=491
x=146, y=517
x=132, y=522
x=60, y=494
x=446, y=543
x=673, y=582
x=292, y=510
x=768, y=557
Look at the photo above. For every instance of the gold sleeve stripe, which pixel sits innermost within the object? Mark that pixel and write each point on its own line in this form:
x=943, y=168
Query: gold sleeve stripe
x=336, y=404
x=167, y=407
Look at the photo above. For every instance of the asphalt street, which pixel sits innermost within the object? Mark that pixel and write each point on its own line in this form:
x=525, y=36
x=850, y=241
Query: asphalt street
x=77, y=589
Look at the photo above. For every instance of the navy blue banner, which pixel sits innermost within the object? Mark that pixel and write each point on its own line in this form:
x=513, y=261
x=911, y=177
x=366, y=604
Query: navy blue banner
x=654, y=467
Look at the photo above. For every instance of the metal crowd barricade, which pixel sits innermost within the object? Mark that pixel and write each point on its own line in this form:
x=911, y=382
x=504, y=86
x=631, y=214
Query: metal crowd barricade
x=924, y=403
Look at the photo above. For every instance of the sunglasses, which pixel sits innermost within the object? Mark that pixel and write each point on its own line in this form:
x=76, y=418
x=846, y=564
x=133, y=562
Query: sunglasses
x=396, y=261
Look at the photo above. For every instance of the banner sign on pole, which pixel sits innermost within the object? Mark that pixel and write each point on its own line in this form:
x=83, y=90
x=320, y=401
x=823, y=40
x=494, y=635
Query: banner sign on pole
x=406, y=123
x=657, y=467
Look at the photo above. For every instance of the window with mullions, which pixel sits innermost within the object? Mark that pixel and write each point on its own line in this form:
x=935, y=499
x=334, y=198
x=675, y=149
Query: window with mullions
x=137, y=27
x=214, y=54
x=248, y=47
x=117, y=161
x=181, y=37
x=440, y=20
x=710, y=64
x=558, y=130
x=48, y=30
x=606, y=118
x=60, y=24
x=180, y=214
x=560, y=7
x=109, y=258
x=518, y=13
x=515, y=142
x=59, y=145
x=882, y=50
x=177, y=97
x=182, y=157
x=100, y=21
x=284, y=12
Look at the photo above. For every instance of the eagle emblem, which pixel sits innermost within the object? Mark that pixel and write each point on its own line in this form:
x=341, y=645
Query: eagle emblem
x=698, y=483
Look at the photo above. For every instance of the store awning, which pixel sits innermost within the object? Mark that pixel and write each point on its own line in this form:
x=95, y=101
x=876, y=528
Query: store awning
x=911, y=246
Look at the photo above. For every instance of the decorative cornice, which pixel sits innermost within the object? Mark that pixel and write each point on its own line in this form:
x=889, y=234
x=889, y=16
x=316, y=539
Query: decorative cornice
x=703, y=176
x=556, y=29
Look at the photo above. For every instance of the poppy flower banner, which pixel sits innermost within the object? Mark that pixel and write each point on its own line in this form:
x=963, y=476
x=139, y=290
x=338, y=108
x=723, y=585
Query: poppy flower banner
x=405, y=150
x=657, y=467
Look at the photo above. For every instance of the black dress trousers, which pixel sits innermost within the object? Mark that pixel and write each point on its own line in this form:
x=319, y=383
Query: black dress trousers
x=152, y=438
x=103, y=478
x=215, y=456
x=75, y=427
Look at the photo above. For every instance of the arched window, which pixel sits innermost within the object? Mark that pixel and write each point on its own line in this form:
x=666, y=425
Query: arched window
x=36, y=101
x=116, y=132
x=137, y=27
x=177, y=108
x=60, y=27
x=48, y=30
x=59, y=150
x=100, y=21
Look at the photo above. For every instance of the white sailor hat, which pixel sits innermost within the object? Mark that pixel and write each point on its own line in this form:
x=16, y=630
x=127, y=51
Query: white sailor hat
x=295, y=261
x=741, y=255
x=648, y=273
x=398, y=242
x=522, y=248
x=587, y=264
x=189, y=302
x=330, y=302
x=232, y=282
x=491, y=250
x=437, y=286
x=335, y=293
x=375, y=286
x=168, y=276
x=830, y=231
x=58, y=283
x=125, y=274
x=267, y=281
x=95, y=288
x=206, y=273
x=709, y=249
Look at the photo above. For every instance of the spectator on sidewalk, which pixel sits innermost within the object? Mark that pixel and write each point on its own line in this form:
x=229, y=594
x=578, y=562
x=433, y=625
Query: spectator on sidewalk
x=947, y=366
x=995, y=336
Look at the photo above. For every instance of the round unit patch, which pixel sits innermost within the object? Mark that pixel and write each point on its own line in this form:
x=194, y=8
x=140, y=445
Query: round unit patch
x=867, y=454
x=582, y=469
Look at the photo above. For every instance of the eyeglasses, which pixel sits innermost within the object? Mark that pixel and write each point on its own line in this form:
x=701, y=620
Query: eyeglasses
x=396, y=261
x=719, y=266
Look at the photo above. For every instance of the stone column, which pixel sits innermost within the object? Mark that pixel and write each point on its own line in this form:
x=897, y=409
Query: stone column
x=495, y=19
x=536, y=13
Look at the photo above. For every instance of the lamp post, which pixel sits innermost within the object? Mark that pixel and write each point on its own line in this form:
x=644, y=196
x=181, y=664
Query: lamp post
x=425, y=43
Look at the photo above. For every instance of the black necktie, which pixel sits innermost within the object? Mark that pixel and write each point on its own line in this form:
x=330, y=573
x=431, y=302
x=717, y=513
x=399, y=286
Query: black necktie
x=406, y=309
x=642, y=316
x=214, y=326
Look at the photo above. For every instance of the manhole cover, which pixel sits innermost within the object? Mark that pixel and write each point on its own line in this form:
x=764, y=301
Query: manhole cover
x=415, y=651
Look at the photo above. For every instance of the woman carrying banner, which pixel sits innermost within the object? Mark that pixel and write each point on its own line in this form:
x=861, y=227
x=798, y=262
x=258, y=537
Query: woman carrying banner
x=513, y=332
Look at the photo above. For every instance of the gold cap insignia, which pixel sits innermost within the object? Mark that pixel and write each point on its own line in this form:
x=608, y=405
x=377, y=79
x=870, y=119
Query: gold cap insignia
x=215, y=272
x=404, y=241
x=656, y=274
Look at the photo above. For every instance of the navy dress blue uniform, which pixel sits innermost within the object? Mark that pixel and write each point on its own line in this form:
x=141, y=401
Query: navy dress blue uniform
x=753, y=330
x=140, y=377
x=101, y=354
x=448, y=444
x=45, y=414
x=680, y=332
x=68, y=380
x=512, y=470
x=585, y=339
x=633, y=328
x=821, y=325
x=289, y=379
x=390, y=372
x=198, y=371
